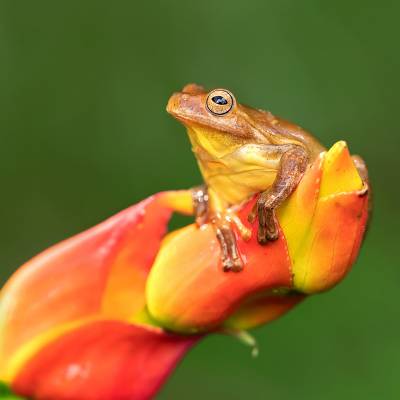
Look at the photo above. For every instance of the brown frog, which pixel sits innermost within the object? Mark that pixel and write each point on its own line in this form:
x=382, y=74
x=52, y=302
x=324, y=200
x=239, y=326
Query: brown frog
x=242, y=151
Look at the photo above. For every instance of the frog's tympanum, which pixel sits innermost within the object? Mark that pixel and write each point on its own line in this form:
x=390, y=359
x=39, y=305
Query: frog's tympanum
x=242, y=151
x=109, y=312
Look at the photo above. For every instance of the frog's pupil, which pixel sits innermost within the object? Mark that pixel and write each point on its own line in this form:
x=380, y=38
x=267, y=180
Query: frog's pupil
x=219, y=100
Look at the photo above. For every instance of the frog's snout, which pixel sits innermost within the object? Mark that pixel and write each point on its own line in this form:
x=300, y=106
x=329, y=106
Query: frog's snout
x=187, y=102
x=183, y=105
x=173, y=104
x=188, y=107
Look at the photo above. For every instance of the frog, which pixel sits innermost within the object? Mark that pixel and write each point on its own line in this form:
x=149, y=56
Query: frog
x=242, y=152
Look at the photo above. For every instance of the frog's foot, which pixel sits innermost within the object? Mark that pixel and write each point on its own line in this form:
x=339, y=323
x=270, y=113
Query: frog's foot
x=200, y=204
x=267, y=225
x=223, y=224
x=231, y=260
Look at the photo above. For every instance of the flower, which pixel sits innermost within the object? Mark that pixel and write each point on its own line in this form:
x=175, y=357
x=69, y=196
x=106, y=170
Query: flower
x=321, y=228
x=109, y=313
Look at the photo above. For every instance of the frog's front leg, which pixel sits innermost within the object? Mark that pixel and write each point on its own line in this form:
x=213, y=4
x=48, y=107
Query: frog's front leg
x=292, y=166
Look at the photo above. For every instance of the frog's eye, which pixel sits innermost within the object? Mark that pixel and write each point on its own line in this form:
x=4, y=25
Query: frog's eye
x=219, y=102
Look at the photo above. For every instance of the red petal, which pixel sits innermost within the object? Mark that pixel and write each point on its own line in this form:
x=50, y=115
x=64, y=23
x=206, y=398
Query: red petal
x=79, y=277
x=103, y=360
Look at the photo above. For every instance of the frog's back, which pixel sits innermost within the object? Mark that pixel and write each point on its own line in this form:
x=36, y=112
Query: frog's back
x=280, y=131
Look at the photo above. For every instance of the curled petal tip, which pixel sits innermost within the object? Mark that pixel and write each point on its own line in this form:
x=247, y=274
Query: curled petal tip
x=340, y=174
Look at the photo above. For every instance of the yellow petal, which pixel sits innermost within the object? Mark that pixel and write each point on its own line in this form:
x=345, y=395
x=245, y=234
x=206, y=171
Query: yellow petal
x=339, y=172
x=296, y=214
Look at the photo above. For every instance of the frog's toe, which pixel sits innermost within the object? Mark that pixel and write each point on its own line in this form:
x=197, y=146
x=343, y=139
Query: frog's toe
x=262, y=237
x=267, y=229
x=252, y=216
x=272, y=232
x=233, y=264
x=237, y=265
x=266, y=235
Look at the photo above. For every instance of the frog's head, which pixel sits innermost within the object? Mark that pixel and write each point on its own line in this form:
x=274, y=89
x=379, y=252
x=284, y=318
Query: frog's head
x=216, y=112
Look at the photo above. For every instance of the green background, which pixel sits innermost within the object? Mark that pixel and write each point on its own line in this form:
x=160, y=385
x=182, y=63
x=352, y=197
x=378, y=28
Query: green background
x=84, y=133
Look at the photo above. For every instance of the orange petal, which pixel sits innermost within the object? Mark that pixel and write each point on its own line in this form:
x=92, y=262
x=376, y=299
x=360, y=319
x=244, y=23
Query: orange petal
x=103, y=360
x=100, y=271
x=187, y=290
x=332, y=242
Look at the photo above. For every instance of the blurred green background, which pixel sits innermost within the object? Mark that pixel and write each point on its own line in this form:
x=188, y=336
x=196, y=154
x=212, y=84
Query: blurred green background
x=84, y=133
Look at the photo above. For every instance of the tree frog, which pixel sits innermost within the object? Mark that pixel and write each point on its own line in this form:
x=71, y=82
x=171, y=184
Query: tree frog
x=242, y=151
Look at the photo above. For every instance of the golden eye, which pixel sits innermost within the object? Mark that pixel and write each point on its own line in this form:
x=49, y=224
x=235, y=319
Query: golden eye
x=219, y=101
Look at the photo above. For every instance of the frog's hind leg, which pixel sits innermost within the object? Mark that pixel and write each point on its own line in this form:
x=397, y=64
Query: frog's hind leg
x=231, y=260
